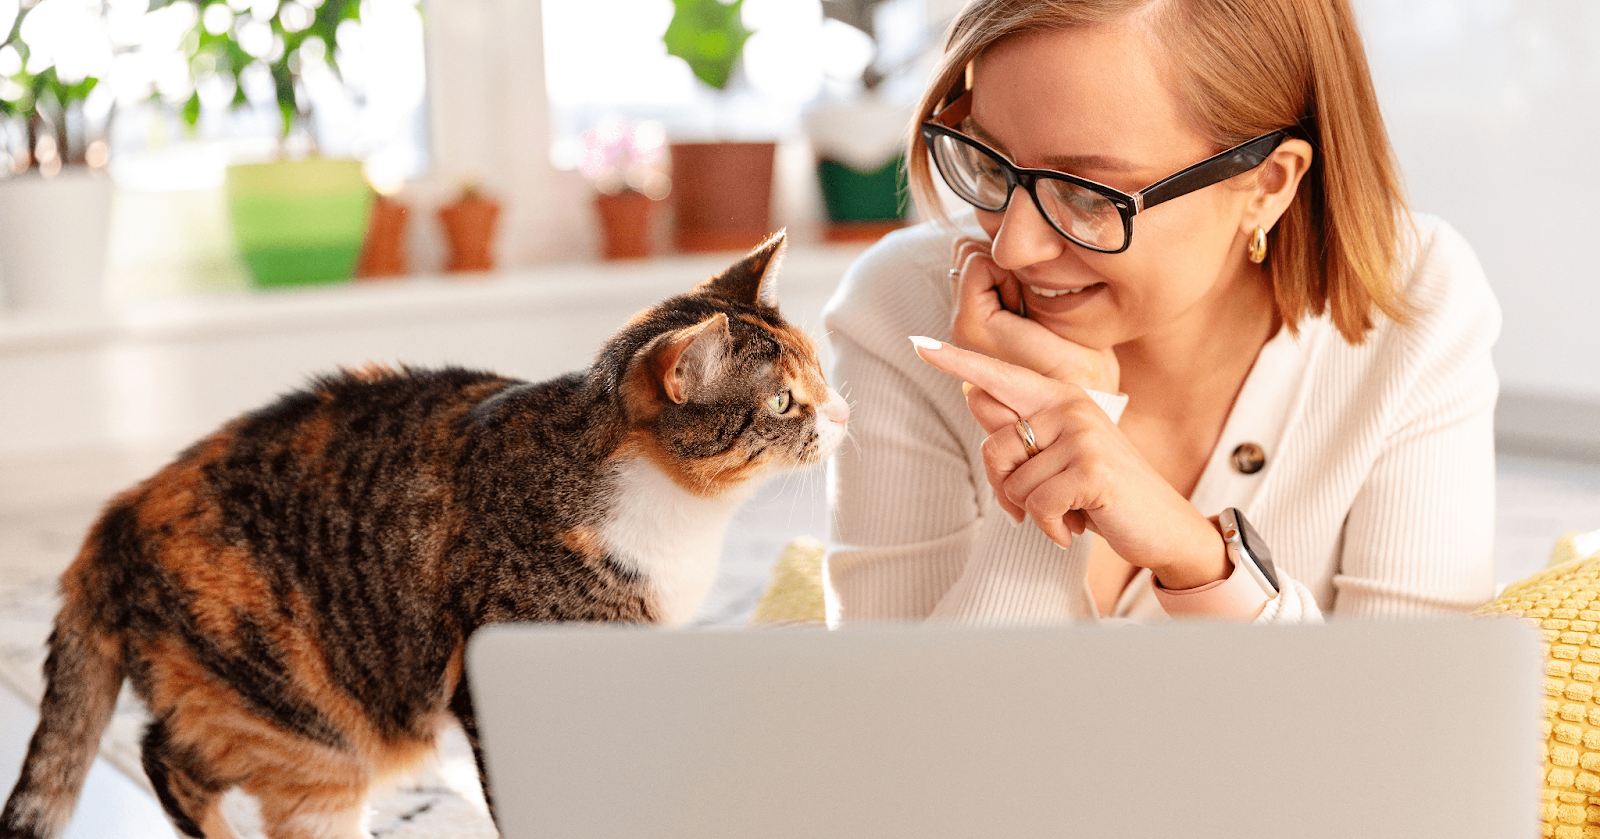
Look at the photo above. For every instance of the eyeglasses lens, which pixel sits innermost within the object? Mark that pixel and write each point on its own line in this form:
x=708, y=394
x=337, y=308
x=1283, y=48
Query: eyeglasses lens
x=1082, y=214
x=976, y=177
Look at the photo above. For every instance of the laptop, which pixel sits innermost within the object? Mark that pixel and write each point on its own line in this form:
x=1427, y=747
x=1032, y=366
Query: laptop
x=1351, y=729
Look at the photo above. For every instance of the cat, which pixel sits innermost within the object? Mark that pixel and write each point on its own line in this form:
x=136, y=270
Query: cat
x=291, y=596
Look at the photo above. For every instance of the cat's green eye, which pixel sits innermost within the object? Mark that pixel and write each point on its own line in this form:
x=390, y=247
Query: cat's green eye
x=780, y=403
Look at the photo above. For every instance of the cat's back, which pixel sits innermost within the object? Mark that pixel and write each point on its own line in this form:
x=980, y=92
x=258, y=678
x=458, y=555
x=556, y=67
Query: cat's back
x=356, y=469
x=376, y=442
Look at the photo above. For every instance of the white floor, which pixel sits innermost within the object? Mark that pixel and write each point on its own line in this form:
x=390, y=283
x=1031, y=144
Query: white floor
x=1539, y=500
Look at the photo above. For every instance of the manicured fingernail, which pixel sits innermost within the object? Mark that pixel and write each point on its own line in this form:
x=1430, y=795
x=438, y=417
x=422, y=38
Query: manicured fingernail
x=925, y=343
x=966, y=388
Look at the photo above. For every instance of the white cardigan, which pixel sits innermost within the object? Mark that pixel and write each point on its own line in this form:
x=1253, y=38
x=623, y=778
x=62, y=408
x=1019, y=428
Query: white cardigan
x=1377, y=498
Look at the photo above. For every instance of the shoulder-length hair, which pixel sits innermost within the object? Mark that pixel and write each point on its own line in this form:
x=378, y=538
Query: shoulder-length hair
x=1243, y=68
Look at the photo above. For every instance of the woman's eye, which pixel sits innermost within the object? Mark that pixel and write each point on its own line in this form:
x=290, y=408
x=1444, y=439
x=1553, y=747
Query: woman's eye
x=780, y=403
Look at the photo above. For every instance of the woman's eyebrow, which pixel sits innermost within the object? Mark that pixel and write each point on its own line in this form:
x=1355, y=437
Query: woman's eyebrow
x=1071, y=164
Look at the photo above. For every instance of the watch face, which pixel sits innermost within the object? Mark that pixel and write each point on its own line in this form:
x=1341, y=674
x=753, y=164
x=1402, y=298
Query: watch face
x=1257, y=548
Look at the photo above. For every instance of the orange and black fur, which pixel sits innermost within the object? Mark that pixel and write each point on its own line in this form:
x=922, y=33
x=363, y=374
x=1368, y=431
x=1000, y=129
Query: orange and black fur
x=292, y=595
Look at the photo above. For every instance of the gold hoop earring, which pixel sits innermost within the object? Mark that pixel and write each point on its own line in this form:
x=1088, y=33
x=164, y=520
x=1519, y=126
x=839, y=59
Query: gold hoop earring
x=1258, y=246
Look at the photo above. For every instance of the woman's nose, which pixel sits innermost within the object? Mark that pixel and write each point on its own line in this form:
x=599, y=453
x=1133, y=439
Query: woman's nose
x=1024, y=237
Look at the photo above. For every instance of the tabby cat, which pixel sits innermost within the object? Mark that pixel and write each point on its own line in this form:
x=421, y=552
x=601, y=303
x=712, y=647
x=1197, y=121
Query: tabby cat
x=291, y=596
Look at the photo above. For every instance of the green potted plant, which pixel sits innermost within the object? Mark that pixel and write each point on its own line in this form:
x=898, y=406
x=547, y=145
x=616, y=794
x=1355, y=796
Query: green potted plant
x=296, y=221
x=55, y=198
x=722, y=190
x=859, y=143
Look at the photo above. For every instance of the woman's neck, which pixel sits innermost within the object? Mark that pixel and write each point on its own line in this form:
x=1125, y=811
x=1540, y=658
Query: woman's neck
x=1204, y=357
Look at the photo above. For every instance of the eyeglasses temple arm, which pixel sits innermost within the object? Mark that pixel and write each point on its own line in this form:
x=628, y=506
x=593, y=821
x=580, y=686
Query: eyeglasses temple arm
x=957, y=101
x=1219, y=167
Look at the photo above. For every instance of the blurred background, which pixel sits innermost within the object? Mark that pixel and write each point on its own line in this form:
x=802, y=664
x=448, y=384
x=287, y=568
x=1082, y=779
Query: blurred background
x=204, y=201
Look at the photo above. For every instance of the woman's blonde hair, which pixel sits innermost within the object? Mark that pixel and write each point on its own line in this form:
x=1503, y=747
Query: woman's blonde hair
x=1243, y=68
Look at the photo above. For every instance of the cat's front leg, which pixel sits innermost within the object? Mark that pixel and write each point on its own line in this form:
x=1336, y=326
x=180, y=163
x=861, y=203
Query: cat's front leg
x=461, y=707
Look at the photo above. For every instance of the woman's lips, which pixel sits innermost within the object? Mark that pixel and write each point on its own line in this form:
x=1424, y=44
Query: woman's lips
x=1058, y=301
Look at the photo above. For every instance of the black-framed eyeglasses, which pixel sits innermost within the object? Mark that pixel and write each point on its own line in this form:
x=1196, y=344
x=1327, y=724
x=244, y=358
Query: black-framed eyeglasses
x=1090, y=214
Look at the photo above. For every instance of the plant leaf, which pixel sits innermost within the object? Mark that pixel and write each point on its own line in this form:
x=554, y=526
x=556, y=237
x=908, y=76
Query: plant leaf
x=283, y=86
x=191, y=110
x=710, y=36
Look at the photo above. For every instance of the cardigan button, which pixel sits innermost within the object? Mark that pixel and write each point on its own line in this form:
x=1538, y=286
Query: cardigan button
x=1249, y=458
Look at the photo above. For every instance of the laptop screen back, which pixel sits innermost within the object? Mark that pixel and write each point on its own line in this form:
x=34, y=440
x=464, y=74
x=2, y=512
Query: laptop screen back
x=1189, y=730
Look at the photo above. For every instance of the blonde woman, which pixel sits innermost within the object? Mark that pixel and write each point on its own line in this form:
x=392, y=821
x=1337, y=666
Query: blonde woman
x=1190, y=300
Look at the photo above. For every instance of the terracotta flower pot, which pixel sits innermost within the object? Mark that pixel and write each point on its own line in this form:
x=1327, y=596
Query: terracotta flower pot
x=625, y=224
x=384, y=252
x=721, y=195
x=469, y=225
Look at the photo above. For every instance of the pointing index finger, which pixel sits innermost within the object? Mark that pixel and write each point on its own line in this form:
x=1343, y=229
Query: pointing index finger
x=1018, y=388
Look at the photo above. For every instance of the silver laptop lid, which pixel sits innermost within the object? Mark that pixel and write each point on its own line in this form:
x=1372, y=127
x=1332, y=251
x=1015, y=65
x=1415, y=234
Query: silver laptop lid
x=1189, y=730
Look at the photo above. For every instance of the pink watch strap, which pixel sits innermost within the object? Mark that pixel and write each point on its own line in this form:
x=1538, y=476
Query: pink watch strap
x=1236, y=596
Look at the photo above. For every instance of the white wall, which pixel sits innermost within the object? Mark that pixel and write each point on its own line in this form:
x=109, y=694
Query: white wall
x=1494, y=107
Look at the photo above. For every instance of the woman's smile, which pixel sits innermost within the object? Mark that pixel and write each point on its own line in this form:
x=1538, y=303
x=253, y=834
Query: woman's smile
x=1060, y=301
x=1057, y=292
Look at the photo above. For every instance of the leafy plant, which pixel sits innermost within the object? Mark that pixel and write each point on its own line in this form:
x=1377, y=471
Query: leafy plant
x=41, y=99
x=710, y=36
x=282, y=36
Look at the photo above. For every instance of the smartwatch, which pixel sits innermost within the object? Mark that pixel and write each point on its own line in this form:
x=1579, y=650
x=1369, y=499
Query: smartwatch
x=1248, y=588
x=1248, y=551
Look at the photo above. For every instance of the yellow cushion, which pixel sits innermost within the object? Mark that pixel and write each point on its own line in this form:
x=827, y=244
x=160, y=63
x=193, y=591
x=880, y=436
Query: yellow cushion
x=794, y=593
x=1564, y=601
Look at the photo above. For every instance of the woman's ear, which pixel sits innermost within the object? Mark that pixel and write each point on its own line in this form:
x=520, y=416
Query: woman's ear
x=1277, y=183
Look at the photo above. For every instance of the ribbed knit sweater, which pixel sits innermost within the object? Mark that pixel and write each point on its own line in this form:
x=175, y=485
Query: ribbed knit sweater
x=1377, y=497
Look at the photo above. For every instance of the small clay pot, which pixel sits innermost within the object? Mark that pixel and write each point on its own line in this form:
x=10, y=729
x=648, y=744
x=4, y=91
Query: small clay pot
x=384, y=252
x=469, y=225
x=721, y=195
x=624, y=224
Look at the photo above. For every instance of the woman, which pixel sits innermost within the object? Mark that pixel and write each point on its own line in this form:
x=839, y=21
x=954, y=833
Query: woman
x=1268, y=332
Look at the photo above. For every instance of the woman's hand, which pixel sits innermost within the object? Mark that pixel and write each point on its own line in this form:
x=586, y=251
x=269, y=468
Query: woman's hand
x=1086, y=475
x=988, y=300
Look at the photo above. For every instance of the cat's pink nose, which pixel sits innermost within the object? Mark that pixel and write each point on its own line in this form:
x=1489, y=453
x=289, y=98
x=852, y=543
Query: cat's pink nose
x=836, y=408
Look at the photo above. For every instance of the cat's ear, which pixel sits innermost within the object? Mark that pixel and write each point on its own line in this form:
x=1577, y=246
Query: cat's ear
x=754, y=279
x=690, y=358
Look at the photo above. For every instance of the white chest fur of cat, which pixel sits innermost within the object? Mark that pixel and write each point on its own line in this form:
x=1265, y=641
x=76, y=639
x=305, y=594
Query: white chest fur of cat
x=669, y=536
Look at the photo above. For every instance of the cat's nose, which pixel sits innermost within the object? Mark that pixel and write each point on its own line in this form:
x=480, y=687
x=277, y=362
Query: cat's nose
x=836, y=408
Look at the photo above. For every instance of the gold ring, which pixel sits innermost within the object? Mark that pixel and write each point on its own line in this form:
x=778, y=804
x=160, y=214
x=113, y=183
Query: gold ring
x=1025, y=431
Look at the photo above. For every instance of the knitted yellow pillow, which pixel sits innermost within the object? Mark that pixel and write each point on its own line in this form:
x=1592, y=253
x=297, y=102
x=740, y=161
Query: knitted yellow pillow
x=794, y=593
x=1564, y=600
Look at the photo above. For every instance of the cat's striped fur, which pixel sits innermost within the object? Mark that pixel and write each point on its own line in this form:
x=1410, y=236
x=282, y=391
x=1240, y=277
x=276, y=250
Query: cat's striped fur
x=292, y=595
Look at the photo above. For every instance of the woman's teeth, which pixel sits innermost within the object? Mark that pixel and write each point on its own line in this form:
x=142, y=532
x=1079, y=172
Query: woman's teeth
x=1048, y=292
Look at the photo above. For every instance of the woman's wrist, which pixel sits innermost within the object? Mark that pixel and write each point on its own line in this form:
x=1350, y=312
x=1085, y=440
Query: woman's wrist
x=1207, y=563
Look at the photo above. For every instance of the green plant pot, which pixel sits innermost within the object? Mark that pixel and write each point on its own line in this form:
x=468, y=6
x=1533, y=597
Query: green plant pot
x=853, y=195
x=299, y=222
